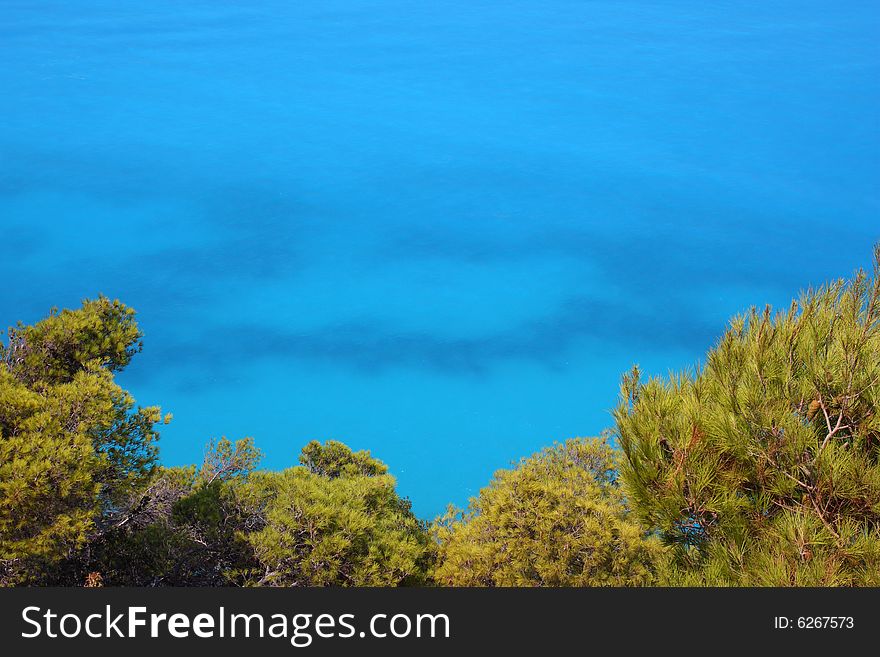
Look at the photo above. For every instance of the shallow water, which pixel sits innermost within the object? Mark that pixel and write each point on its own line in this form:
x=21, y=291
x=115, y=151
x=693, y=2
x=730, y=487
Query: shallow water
x=439, y=231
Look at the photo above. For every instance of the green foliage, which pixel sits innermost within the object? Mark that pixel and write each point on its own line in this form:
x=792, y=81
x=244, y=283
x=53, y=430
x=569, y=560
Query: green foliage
x=337, y=521
x=763, y=467
x=558, y=519
x=72, y=443
x=182, y=529
x=227, y=524
x=227, y=460
x=101, y=334
x=334, y=459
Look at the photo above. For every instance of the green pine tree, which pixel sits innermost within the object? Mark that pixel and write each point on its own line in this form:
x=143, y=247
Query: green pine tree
x=182, y=528
x=335, y=520
x=762, y=467
x=558, y=519
x=72, y=443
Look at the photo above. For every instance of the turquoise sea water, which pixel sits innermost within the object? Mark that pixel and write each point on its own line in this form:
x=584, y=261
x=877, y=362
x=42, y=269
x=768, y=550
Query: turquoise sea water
x=437, y=230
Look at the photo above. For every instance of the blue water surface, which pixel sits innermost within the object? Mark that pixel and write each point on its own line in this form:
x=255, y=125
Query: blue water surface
x=437, y=230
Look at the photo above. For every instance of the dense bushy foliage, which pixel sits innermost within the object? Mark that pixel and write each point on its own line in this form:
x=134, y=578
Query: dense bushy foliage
x=83, y=501
x=183, y=528
x=72, y=444
x=336, y=520
x=558, y=519
x=763, y=466
x=227, y=524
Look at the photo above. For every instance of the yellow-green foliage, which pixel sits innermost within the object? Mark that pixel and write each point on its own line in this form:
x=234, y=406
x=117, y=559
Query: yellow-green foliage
x=335, y=521
x=71, y=442
x=48, y=484
x=763, y=467
x=558, y=519
x=760, y=468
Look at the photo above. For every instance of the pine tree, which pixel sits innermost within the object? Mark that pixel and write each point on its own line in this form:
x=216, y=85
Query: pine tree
x=763, y=466
x=558, y=519
x=72, y=443
x=336, y=520
x=184, y=527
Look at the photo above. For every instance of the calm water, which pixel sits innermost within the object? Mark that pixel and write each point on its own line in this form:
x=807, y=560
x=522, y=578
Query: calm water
x=438, y=230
